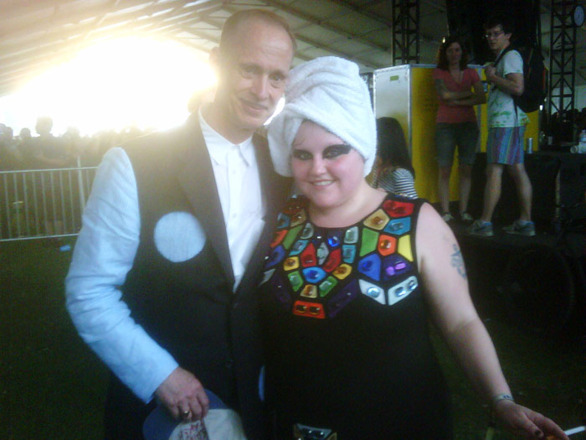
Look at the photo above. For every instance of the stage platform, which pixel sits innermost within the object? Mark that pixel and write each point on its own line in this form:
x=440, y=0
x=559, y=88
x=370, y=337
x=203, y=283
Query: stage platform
x=502, y=240
x=537, y=283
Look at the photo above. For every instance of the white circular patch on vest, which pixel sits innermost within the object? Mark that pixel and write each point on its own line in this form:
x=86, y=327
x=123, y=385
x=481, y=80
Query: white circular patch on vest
x=179, y=236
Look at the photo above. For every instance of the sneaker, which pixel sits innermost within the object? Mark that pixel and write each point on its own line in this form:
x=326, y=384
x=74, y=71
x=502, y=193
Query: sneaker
x=465, y=217
x=447, y=217
x=480, y=228
x=521, y=228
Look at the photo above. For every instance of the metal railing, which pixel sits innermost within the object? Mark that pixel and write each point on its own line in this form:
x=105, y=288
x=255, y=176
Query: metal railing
x=43, y=203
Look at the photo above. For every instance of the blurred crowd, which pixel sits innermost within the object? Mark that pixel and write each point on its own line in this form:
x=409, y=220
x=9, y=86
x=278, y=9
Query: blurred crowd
x=44, y=150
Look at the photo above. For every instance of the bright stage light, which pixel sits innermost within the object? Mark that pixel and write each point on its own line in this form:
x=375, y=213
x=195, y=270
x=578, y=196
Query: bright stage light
x=131, y=81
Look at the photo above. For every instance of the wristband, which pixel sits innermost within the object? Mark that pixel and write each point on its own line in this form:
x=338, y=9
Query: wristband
x=496, y=399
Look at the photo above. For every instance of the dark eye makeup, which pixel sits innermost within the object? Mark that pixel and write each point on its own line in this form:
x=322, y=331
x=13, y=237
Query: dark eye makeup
x=330, y=152
x=336, y=150
x=302, y=155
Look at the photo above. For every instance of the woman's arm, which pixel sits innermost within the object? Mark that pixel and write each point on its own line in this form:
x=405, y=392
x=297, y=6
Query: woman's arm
x=445, y=280
x=444, y=274
x=447, y=95
x=478, y=98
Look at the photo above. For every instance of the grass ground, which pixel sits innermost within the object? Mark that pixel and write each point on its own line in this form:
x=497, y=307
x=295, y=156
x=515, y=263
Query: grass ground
x=53, y=387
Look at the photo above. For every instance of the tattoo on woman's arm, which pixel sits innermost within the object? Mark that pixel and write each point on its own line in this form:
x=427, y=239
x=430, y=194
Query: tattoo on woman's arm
x=458, y=261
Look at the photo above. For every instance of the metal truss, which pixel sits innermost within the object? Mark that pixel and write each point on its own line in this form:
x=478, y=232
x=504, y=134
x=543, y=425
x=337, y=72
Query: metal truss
x=562, y=64
x=405, y=31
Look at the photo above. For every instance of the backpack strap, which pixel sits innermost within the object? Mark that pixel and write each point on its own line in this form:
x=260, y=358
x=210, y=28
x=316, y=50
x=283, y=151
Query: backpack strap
x=502, y=54
x=500, y=57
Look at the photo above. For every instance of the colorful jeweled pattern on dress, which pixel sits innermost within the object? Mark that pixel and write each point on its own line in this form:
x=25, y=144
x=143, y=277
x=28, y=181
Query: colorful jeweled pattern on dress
x=316, y=272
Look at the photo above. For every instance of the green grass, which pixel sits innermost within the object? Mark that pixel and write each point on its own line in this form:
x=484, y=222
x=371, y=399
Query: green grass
x=546, y=375
x=53, y=387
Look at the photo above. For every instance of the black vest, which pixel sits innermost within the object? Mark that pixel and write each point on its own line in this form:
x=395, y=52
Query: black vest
x=189, y=307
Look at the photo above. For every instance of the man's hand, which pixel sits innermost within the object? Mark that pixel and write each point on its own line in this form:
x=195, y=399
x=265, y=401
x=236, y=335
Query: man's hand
x=183, y=396
x=490, y=72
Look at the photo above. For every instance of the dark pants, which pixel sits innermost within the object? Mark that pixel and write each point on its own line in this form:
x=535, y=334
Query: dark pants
x=124, y=413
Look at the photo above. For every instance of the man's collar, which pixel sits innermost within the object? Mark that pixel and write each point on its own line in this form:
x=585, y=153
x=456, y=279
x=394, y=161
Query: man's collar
x=216, y=143
x=208, y=112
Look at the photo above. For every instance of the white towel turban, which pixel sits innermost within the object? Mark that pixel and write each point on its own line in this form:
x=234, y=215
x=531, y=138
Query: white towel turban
x=329, y=92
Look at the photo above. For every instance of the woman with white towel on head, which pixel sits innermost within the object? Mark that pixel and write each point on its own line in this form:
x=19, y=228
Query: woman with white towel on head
x=349, y=283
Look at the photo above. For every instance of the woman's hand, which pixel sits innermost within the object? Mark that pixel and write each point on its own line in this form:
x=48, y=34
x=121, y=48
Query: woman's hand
x=526, y=423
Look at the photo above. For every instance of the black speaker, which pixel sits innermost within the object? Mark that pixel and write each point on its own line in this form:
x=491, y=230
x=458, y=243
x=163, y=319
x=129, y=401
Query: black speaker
x=572, y=185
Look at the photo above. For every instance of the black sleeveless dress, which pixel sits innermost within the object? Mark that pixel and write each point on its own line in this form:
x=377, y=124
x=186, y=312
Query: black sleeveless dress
x=346, y=329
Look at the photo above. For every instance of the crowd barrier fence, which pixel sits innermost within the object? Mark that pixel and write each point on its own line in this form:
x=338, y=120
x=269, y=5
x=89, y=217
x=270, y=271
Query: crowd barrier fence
x=44, y=203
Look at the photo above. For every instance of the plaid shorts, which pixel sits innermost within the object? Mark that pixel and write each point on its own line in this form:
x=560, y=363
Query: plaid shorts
x=505, y=145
